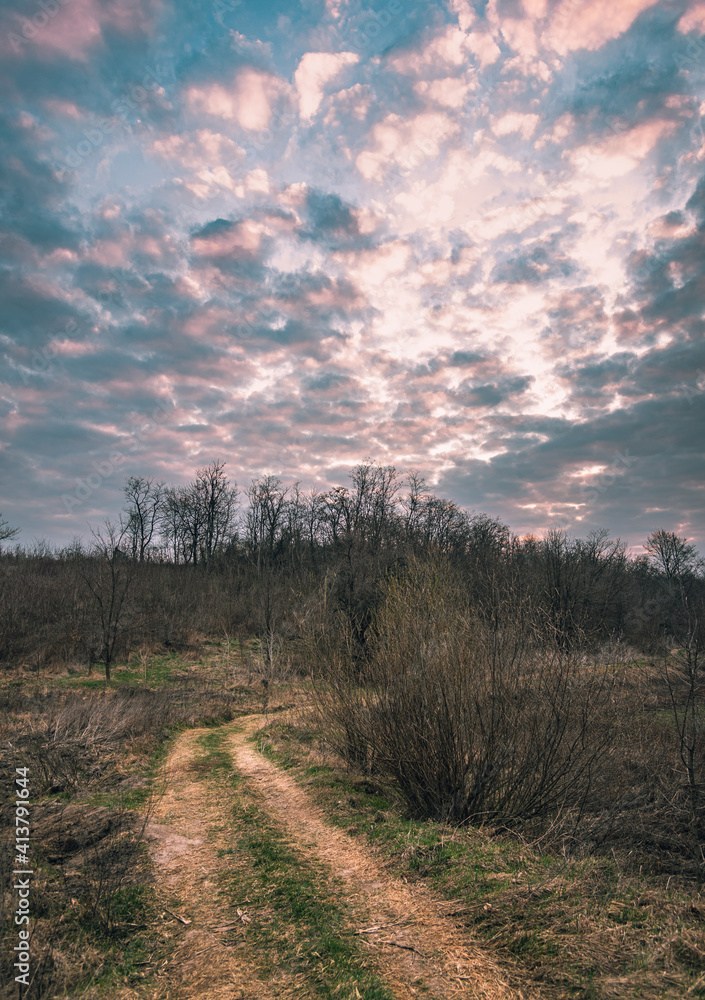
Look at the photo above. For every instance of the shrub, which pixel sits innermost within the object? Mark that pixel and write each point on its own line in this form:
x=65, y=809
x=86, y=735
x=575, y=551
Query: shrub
x=475, y=717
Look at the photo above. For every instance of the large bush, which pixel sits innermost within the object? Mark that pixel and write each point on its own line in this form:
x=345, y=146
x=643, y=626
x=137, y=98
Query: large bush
x=474, y=716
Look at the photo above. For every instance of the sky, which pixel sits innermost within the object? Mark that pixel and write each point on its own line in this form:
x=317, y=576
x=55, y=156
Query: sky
x=461, y=237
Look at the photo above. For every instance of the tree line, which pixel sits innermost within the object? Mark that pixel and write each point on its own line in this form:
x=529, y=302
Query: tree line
x=250, y=561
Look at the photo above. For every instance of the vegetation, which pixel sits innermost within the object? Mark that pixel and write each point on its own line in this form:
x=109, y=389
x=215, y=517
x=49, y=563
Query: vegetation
x=592, y=923
x=538, y=702
x=193, y=560
x=92, y=758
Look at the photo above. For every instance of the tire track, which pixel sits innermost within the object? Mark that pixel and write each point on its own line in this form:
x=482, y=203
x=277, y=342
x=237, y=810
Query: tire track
x=418, y=946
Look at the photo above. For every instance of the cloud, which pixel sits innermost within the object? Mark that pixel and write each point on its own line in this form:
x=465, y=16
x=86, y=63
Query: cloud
x=620, y=154
x=73, y=29
x=588, y=24
x=693, y=19
x=248, y=100
x=404, y=142
x=515, y=122
x=315, y=70
x=533, y=266
x=222, y=238
x=449, y=92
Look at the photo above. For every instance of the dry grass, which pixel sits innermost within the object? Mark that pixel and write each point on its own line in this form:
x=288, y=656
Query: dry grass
x=579, y=921
x=606, y=909
x=93, y=754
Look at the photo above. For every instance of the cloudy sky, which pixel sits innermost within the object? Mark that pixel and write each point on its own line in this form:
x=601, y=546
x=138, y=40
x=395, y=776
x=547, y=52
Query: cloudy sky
x=463, y=237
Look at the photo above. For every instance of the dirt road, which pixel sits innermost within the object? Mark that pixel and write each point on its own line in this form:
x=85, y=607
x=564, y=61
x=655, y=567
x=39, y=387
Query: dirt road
x=405, y=933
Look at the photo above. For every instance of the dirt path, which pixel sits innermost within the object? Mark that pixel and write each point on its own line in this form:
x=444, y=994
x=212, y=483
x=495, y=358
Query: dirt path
x=419, y=949
x=413, y=933
x=205, y=963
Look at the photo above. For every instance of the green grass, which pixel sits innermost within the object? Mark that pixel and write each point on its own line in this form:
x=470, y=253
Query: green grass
x=127, y=951
x=162, y=669
x=297, y=922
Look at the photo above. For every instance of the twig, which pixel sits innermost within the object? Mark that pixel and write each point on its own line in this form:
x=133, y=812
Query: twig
x=406, y=947
x=378, y=927
x=176, y=916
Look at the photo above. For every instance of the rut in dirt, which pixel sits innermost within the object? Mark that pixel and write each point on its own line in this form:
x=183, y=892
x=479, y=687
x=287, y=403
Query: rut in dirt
x=417, y=944
x=185, y=836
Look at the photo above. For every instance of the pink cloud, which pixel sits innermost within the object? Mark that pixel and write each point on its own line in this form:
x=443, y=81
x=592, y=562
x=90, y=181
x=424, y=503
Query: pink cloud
x=520, y=34
x=515, y=122
x=562, y=129
x=111, y=253
x=196, y=150
x=73, y=348
x=663, y=229
x=588, y=24
x=483, y=46
x=465, y=12
x=64, y=109
x=449, y=48
x=73, y=27
x=248, y=100
x=620, y=154
x=241, y=240
x=535, y=8
x=207, y=324
x=315, y=70
x=406, y=142
x=693, y=19
x=71, y=31
x=450, y=92
x=208, y=162
x=354, y=102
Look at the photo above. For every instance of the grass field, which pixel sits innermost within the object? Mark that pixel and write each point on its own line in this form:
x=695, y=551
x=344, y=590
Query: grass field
x=593, y=923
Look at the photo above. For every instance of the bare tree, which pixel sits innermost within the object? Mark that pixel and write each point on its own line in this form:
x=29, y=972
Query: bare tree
x=109, y=579
x=674, y=556
x=172, y=529
x=428, y=519
x=683, y=666
x=684, y=673
x=198, y=518
x=580, y=582
x=144, y=502
x=313, y=516
x=6, y=531
x=266, y=517
x=216, y=501
x=413, y=504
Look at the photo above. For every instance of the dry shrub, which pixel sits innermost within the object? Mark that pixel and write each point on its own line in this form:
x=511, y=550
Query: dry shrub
x=476, y=717
x=66, y=737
